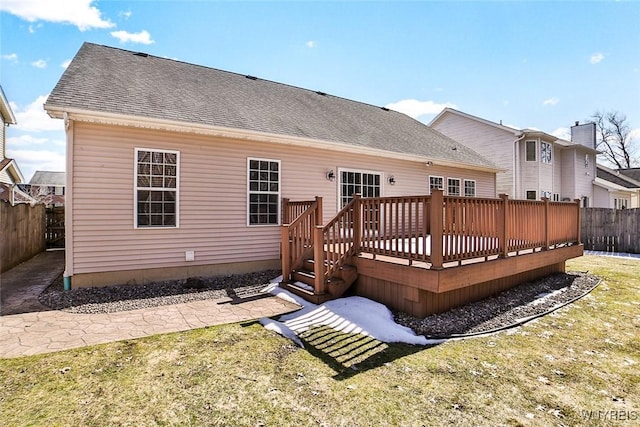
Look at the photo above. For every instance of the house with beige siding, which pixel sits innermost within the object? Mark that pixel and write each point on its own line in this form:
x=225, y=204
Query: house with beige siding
x=10, y=175
x=177, y=170
x=614, y=189
x=535, y=164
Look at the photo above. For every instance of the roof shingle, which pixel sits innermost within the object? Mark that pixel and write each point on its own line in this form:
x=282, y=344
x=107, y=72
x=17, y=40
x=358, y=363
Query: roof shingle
x=112, y=80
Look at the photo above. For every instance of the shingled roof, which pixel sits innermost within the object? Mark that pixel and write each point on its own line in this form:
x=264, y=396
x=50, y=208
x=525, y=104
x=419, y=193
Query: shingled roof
x=616, y=177
x=103, y=79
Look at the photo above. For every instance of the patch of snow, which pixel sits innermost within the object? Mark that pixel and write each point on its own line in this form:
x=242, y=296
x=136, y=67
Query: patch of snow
x=350, y=315
x=281, y=329
x=540, y=298
x=613, y=254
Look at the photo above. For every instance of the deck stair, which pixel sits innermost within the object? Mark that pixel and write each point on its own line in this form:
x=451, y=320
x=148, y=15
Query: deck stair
x=316, y=258
x=303, y=279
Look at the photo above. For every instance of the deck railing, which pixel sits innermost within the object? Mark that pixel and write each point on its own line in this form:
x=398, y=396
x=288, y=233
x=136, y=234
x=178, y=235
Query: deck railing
x=395, y=226
x=292, y=210
x=435, y=229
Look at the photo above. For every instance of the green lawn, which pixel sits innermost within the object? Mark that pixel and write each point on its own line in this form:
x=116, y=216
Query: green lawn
x=585, y=357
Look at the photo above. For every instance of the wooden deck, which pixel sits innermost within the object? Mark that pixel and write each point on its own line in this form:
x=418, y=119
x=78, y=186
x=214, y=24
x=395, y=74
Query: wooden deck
x=427, y=254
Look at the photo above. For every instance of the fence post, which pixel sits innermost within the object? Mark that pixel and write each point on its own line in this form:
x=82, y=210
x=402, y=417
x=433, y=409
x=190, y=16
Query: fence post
x=357, y=223
x=546, y=223
x=579, y=221
x=503, y=226
x=436, y=225
x=319, y=285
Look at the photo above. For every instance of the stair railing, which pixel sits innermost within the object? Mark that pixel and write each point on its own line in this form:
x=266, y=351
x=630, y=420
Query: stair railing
x=298, y=237
x=335, y=243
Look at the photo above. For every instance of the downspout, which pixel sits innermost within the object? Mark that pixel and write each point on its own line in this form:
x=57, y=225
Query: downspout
x=68, y=206
x=516, y=165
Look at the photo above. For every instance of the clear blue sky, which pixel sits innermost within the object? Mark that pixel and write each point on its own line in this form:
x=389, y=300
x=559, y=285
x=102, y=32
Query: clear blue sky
x=542, y=65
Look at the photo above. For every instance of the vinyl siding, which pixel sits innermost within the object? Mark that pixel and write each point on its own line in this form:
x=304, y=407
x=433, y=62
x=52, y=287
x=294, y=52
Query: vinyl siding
x=495, y=144
x=3, y=132
x=601, y=198
x=584, y=176
x=568, y=189
x=212, y=196
x=5, y=178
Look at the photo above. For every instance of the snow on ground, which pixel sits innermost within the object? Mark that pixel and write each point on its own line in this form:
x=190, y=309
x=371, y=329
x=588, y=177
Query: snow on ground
x=613, y=254
x=350, y=315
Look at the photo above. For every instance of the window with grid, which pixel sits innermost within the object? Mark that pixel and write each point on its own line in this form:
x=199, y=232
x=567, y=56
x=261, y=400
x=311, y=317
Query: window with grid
x=264, y=191
x=436, y=183
x=367, y=184
x=469, y=188
x=453, y=186
x=156, y=181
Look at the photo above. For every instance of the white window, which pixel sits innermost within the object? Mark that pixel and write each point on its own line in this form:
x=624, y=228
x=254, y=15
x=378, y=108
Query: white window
x=469, y=188
x=263, y=184
x=453, y=186
x=436, y=183
x=156, y=182
x=532, y=195
x=530, y=148
x=620, y=203
x=365, y=183
x=556, y=197
x=546, y=150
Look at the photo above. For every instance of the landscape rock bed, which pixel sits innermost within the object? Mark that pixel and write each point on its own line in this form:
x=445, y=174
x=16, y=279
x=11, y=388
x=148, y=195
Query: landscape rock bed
x=499, y=311
x=504, y=309
x=110, y=299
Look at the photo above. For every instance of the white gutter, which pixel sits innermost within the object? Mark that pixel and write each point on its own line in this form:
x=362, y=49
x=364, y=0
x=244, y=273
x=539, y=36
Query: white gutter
x=516, y=165
x=219, y=131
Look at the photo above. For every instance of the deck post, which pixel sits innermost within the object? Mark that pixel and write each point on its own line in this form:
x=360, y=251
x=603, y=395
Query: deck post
x=357, y=223
x=436, y=226
x=285, y=248
x=503, y=226
x=319, y=284
x=579, y=221
x=319, y=219
x=547, y=219
x=285, y=211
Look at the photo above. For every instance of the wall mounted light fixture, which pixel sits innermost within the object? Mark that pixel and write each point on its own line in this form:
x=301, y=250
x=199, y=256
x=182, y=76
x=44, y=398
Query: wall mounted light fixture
x=392, y=180
x=331, y=176
x=429, y=164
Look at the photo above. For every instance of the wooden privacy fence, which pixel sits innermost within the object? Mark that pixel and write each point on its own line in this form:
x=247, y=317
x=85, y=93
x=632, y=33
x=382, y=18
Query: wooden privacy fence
x=611, y=230
x=22, y=233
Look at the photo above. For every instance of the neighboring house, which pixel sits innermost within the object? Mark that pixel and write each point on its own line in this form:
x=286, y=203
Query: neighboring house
x=10, y=175
x=633, y=173
x=47, y=187
x=615, y=189
x=536, y=164
x=178, y=170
